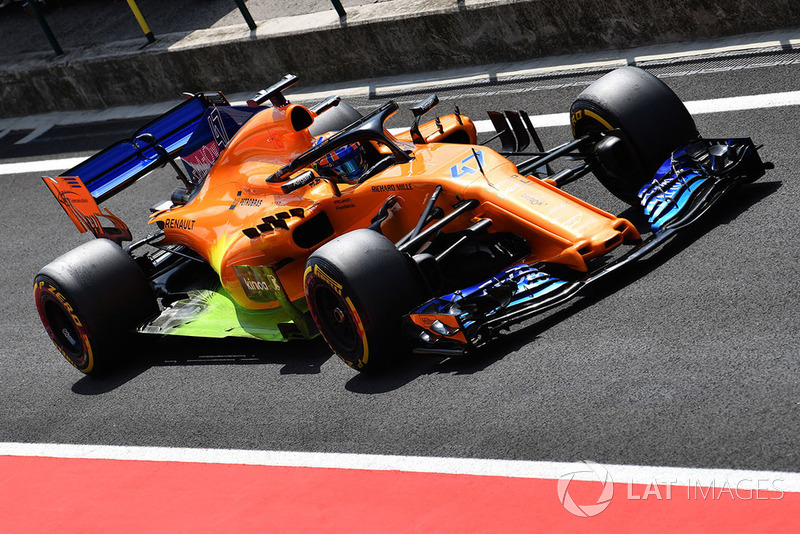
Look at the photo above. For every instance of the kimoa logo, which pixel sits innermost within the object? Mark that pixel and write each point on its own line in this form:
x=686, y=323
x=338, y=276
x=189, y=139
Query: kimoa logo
x=255, y=285
x=594, y=472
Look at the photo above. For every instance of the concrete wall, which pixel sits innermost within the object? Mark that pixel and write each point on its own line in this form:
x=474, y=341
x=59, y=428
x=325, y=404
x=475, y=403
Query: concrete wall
x=375, y=40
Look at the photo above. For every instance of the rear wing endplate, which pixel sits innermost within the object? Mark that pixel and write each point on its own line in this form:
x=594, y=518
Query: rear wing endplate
x=83, y=210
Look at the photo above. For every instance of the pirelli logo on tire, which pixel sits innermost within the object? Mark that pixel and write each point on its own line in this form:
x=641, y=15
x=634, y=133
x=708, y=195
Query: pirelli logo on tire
x=43, y=286
x=328, y=279
x=574, y=117
x=578, y=114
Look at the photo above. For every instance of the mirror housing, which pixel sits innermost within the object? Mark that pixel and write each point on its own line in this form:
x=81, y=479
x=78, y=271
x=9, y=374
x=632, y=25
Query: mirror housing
x=418, y=110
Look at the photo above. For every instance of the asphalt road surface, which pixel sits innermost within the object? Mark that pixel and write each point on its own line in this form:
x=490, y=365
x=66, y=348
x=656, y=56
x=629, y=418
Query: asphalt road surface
x=690, y=360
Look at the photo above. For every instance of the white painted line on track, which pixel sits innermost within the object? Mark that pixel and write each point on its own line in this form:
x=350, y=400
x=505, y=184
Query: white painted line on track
x=381, y=90
x=740, y=103
x=49, y=165
x=754, y=47
x=538, y=121
x=41, y=130
x=633, y=474
x=308, y=95
x=540, y=71
x=695, y=107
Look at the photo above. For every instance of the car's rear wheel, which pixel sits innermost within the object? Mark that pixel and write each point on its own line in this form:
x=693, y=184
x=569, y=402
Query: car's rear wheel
x=358, y=288
x=89, y=300
x=652, y=122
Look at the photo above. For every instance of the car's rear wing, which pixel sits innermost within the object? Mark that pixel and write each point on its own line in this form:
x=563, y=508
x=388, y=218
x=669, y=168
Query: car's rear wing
x=121, y=164
x=80, y=189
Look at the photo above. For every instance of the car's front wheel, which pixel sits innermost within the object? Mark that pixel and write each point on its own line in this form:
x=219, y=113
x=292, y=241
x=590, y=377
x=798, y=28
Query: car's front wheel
x=358, y=287
x=650, y=122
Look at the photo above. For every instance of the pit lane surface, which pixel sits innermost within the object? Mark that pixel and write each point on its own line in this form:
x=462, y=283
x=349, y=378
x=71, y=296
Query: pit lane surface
x=689, y=361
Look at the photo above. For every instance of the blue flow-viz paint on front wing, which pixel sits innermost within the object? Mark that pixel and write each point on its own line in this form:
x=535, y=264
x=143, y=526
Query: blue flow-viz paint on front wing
x=664, y=197
x=525, y=282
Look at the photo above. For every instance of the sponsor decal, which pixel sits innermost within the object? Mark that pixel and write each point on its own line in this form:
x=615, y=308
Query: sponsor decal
x=328, y=280
x=201, y=160
x=343, y=203
x=257, y=282
x=217, y=127
x=467, y=166
x=440, y=325
x=179, y=224
x=256, y=285
x=69, y=197
x=575, y=116
x=392, y=187
x=574, y=220
x=532, y=200
x=361, y=332
x=246, y=202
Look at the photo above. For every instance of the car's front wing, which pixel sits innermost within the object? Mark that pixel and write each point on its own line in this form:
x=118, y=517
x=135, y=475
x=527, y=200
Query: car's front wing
x=692, y=181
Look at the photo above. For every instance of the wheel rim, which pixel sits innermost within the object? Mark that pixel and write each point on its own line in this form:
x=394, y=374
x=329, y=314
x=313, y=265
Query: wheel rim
x=65, y=332
x=336, y=321
x=623, y=188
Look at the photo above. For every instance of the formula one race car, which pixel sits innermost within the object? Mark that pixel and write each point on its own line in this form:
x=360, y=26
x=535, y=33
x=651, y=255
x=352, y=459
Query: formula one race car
x=293, y=221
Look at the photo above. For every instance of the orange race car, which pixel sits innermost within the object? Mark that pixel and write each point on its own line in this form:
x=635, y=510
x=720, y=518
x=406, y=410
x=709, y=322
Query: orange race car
x=293, y=221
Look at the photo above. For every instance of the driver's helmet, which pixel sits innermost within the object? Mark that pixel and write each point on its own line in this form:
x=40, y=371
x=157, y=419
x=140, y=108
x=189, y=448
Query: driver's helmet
x=346, y=162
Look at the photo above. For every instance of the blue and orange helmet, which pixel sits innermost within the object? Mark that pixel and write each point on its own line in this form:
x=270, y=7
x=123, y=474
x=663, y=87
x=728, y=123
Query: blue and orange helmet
x=346, y=162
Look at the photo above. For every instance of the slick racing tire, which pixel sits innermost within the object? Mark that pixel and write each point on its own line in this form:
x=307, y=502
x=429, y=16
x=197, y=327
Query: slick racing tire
x=652, y=122
x=358, y=288
x=334, y=119
x=89, y=300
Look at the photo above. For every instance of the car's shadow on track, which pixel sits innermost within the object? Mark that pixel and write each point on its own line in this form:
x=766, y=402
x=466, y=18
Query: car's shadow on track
x=296, y=358
x=416, y=366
